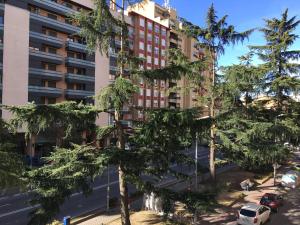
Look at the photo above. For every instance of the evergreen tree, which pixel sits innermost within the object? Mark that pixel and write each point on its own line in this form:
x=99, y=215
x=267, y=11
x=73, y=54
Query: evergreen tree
x=214, y=38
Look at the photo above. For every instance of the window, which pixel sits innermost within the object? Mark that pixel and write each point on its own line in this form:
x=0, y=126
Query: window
x=162, y=104
x=51, y=100
x=156, y=93
x=149, y=25
x=70, y=70
x=142, y=34
x=162, y=94
x=52, y=16
x=163, y=42
x=81, y=71
x=149, y=67
x=148, y=103
x=52, y=50
x=52, y=33
x=149, y=37
x=149, y=48
x=148, y=92
x=163, y=31
x=141, y=92
x=156, y=28
x=140, y=103
x=140, y=114
x=163, y=63
x=142, y=22
x=156, y=61
x=141, y=55
x=52, y=84
x=155, y=103
x=52, y=66
x=80, y=87
x=248, y=213
x=142, y=45
x=149, y=59
x=156, y=51
x=156, y=40
x=163, y=52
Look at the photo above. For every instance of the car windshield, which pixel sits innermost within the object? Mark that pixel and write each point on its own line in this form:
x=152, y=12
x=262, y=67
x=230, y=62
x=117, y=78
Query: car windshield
x=267, y=198
x=248, y=213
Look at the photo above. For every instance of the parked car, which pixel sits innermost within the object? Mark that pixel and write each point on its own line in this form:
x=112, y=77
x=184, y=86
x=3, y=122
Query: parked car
x=271, y=200
x=291, y=179
x=253, y=214
x=297, y=167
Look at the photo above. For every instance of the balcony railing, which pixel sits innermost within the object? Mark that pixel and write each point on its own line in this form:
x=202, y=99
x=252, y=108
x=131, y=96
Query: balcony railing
x=0, y=87
x=78, y=94
x=2, y=27
x=47, y=74
x=79, y=62
x=1, y=66
x=79, y=78
x=74, y=46
x=55, y=24
x=1, y=6
x=45, y=91
x=53, y=6
x=46, y=56
x=46, y=39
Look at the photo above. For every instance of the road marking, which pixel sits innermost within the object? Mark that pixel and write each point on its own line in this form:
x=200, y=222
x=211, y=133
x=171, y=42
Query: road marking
x=4, y=205
x=18, y=211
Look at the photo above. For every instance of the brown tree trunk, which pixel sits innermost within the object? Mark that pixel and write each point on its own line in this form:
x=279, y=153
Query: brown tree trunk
x=212, y=146
x=125, y=215
x=84, y=137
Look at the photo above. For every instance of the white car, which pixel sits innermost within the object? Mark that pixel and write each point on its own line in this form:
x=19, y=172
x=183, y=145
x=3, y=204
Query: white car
x=253, y=214
x=291, y=179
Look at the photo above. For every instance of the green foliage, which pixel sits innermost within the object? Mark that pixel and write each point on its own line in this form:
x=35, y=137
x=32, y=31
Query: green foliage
x=11, y=164
x=36, y=118
x=278, y=58
x=66, y=171
x=115, y=95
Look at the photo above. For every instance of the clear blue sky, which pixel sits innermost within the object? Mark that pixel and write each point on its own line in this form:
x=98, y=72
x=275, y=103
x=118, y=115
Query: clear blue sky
x=243, y=14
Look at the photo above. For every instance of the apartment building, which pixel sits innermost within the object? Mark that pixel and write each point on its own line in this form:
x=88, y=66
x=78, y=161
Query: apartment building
x=179, y=95
x=43, y=59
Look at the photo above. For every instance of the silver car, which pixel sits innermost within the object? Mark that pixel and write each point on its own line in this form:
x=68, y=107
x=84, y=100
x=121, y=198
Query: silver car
x=253, y=214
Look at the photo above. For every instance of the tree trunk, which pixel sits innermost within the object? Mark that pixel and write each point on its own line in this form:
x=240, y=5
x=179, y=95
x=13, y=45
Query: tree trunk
x=125, y=215
x=212, y=146
x=84, y=137
x=274, y=174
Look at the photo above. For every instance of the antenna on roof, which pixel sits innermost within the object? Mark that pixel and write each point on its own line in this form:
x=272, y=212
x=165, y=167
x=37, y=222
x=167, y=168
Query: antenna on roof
x=167, y=4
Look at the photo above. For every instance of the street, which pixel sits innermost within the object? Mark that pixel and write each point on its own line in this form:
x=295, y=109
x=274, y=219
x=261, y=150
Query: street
x=14, y=209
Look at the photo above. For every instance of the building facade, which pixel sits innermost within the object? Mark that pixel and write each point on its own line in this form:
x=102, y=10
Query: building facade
x=43, y=60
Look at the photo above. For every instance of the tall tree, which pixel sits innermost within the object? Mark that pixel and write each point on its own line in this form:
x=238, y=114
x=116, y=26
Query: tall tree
x=214, y=38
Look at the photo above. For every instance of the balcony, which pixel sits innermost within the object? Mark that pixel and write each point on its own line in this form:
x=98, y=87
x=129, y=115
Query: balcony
x=1, y=28
x=54, y=24
x=1, y=6
x=46, y=74
x=79, y=62
x=53, y=6
x=45, y=91
x=79, y=78
x=53, y=41
x=78, y=94
x=50, y=57
x=77, y=47
x=0, y=87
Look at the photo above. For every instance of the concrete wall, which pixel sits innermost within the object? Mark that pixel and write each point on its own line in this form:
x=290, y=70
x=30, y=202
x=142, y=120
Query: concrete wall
x=86, y=3
x=101, y=81
x=15, y=57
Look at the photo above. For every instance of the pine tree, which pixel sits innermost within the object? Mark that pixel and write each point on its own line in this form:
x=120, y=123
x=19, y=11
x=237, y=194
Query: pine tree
x=214, y=38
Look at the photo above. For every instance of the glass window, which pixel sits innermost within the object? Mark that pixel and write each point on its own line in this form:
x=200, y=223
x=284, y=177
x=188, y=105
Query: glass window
x=149, y=59
x=148, y=92
x=140, y=102
x=248, y=213
x=163, y=31
x=156, y=93
x=149, y=48
x=149, y=25
x=156, y=51
x=142, y=45
x=156, y=61
x=142, y=34
x=149, y=37
x=163, y=42
x=163, y=52
x=142, y=22
x=52, y=16
x=162, y=104
x=163, y=63
x=156, y=28
x=148, y=103
x=141, y=91
x=156, y=39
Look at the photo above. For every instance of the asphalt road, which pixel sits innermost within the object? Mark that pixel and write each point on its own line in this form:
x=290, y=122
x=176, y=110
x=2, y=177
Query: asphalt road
x=14, y=209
